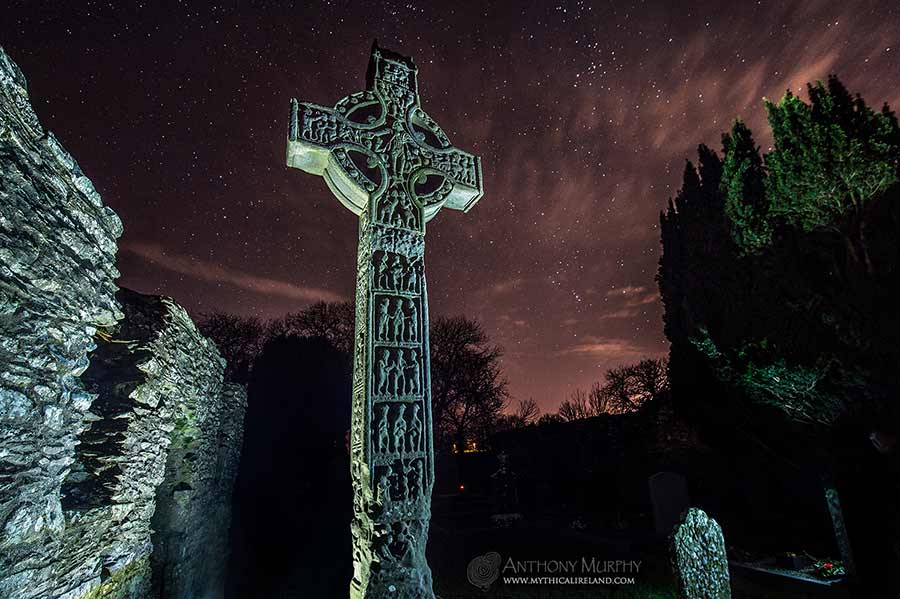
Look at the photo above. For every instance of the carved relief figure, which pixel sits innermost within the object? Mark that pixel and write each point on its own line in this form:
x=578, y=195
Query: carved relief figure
x=387, y=212
x=415, y=480
x=410, y=488
x=383, y=319
x=384, y=489
x=384, y=369
x=412, y=281
x=415, y=429
x=399, y=321
x=405, y=540
x=384, y=550
x=384, y=435
x=396, y=273
x=400, y=431
x=310, y=124
x=321, y=128
x=409, y=216
x=412, y=330
x=415, y=374
x=394, y=74
x=400, y=374
x=382, y=281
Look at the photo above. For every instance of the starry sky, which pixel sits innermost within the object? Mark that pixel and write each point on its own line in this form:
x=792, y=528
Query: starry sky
x=583, y=114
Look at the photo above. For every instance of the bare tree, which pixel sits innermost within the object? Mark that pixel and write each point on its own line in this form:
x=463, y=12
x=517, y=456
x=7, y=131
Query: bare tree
x=525, y=414
x=527, y=411
x=549, y=418
x=598, y=400
x=619, y=390
x=334, y=321
x=469, y=391
x=651, y=377
x=238, y=338
x=628, y=387
x=575, y=407
x=625, y=389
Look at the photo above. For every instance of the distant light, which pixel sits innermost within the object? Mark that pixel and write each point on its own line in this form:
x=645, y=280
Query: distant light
x=462, y=487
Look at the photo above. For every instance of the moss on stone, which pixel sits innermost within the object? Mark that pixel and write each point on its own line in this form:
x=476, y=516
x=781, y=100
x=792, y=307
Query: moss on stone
x=131, y=581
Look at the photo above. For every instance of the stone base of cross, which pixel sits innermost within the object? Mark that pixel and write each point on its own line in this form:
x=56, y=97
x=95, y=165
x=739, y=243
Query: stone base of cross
x=388, y=162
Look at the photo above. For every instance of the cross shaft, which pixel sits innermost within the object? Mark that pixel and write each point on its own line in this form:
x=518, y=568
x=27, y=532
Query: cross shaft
x=381, y=154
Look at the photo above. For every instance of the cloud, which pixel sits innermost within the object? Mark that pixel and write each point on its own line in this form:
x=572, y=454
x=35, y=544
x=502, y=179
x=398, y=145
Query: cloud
x=606, y=348
x=629, y=290
x=214, y=273
x=507, y=285
x=630, y=300
x=621, y=313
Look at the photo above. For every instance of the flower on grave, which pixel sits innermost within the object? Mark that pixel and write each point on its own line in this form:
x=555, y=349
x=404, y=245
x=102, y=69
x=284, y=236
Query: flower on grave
x=828, y=569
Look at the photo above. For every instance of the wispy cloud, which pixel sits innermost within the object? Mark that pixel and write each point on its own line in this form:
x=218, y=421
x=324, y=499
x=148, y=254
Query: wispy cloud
x=629, y=302
x=625, y=291
x=214, y=273
x=507, y=285
x=606, y=348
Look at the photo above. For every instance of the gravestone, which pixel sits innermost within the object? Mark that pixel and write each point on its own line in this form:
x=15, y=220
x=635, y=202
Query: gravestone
x=833, y=503
x=503, y=487
x=699, y=559
x=669, y=495
x=390, y=164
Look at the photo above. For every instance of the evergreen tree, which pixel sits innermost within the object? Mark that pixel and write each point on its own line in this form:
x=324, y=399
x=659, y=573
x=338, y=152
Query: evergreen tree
x=775, y=269
x=743, y=183
x=832, y=157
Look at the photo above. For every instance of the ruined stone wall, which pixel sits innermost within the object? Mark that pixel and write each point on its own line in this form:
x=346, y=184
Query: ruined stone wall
x=57, y=255
x=193, y=502
x=114, y=413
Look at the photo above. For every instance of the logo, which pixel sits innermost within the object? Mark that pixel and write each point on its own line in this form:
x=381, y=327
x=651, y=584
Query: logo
x=484, y=570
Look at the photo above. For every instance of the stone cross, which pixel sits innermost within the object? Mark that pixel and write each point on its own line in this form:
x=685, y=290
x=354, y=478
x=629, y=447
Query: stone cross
x=391, y=165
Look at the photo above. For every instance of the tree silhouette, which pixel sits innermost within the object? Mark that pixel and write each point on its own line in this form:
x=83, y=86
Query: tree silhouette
x=238, y=338
x=527, y=411
x=333, y=321
x=469, y=391
x=625, y=389
x=575, y=407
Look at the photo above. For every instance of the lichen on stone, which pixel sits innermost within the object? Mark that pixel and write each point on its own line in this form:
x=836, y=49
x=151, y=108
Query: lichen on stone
x=113, y=407
x=699, y=558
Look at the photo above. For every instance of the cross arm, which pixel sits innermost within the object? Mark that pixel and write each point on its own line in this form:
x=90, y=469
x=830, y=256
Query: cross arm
x=319, y=139
x=462, y=173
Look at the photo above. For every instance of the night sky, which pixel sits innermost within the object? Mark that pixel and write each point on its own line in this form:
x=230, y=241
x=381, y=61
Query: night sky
x=583, y=114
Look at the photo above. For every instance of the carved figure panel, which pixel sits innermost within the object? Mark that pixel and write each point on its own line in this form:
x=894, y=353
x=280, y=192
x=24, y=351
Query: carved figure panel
x=398, y=373
x=397, y=320
x=397, y=273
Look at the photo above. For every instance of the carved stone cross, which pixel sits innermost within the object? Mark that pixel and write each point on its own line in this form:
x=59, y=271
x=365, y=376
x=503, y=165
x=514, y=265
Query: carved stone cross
x=391, y=165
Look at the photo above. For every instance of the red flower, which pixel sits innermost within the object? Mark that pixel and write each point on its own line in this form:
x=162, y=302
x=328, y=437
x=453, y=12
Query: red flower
x=829, y=565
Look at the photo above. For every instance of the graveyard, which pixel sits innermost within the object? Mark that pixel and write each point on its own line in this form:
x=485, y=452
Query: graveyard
x=652, y=355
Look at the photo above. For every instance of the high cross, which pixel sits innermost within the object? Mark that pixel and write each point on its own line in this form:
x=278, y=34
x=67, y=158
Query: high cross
x=390, y=164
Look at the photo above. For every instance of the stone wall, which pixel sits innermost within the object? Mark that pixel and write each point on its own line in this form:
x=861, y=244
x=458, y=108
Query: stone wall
x=193, y=504
x=115, y=418
x=57, y=255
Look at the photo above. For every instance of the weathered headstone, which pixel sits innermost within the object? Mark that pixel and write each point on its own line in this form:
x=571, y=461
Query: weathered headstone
x=379, y=152
x=669, y=495
x=699, y=558
x=833, y=503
